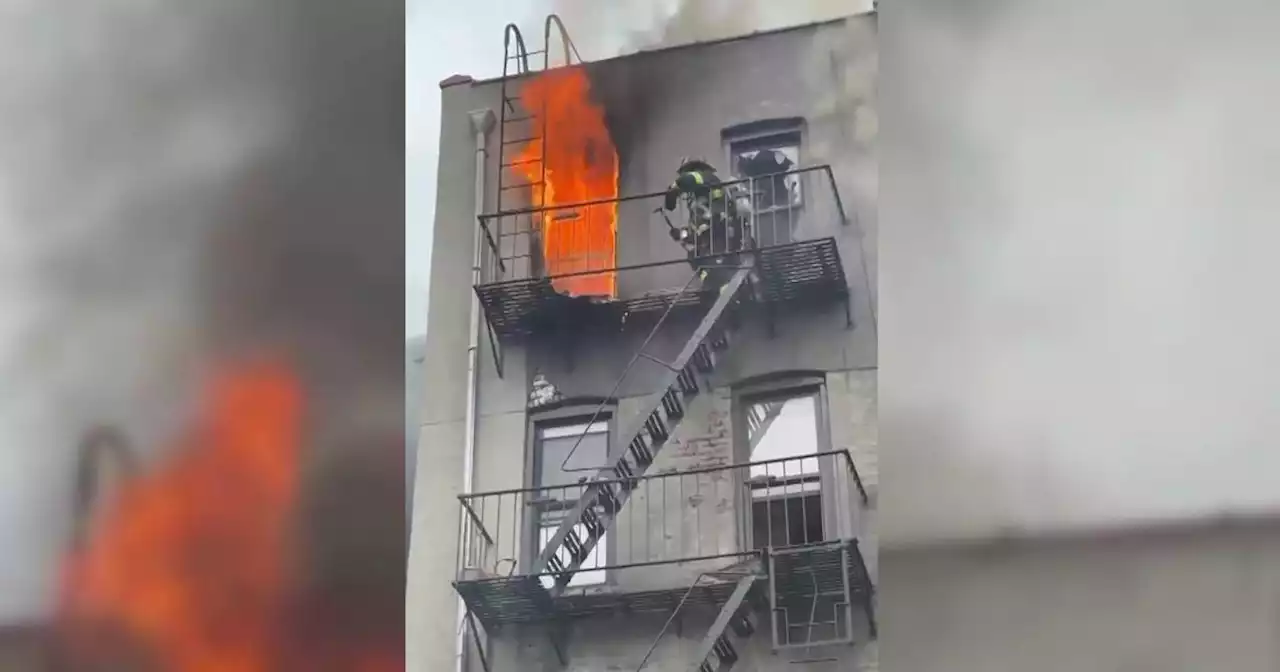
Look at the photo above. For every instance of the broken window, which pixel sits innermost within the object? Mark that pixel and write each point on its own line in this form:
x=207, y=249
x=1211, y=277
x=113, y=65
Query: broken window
x=769, y=154
x=560, y=474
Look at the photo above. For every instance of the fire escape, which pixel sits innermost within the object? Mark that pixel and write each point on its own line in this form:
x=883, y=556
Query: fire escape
x=509, y=577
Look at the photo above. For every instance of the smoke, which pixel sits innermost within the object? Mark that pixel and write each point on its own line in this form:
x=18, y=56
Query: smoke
x=118, y=127
x=604, y=29
x=1079, y=273
x=172, y=189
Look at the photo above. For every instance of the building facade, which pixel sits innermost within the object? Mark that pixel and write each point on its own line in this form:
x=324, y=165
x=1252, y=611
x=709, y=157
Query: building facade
x=653, y=467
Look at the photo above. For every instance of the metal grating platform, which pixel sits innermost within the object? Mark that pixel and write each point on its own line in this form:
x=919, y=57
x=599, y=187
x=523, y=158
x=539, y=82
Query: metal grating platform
x=516, y=600
x=499, y=601
x=805, y=272
x=795, y=571
x=811, y=605
x=519, y=309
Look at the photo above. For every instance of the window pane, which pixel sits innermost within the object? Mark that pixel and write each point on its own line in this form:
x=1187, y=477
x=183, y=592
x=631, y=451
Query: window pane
x=557, y=444
x=785, y=522
x=766, y=157
x=784, y=429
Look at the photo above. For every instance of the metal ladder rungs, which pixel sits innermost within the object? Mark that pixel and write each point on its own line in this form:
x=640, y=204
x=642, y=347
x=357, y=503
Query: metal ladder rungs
x=688, y=383
x=574, y=544
x=657, y=429
x=591, y=520
x=526, y=53
x=611, y=498
x=626, y=474
x=725, y=651
x=657, y=425
x=702, y=359
x=640, y=452
x=671, y=404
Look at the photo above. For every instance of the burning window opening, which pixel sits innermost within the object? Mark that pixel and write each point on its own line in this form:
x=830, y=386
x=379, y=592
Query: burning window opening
x=573, y=161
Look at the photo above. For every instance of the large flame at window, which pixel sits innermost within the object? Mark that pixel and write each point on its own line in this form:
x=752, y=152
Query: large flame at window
x=572, y=160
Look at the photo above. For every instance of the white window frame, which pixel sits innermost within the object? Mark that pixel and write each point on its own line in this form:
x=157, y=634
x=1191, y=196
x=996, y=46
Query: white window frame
x=593, y=571
x=825, y=468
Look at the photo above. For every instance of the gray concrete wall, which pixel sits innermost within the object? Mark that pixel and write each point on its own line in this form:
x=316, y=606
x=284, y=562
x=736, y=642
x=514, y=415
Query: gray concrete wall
x=1193, y=600
x=719, y=85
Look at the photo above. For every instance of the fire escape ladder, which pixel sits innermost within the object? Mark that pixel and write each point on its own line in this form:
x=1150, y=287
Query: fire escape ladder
x=513, y=116
x=609, y=491
x=717, y=652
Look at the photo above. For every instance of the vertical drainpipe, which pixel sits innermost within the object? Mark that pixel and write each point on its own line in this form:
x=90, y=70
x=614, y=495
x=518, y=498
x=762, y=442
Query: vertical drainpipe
x=481, y=124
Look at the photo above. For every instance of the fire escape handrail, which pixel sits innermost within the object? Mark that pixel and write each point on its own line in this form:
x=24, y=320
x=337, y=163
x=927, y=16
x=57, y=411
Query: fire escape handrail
x=826, y=168
x=494, y=248
x=842, y=452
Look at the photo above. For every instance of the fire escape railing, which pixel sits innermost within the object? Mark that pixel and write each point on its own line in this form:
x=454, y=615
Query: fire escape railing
x=787, y=207
x=700, y=514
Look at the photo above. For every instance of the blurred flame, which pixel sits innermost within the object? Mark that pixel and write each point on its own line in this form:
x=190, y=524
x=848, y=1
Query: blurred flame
x=192, y=564
x=580, y=164
x=191, y=561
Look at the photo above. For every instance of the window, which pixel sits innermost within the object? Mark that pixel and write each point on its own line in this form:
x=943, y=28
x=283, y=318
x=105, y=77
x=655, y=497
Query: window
x=769, y=151
x=559, y=471
x=786, y=491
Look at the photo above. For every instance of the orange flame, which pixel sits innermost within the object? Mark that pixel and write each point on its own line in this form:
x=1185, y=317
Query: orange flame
x=191, y=561
x=190, y=567
x=580, y=163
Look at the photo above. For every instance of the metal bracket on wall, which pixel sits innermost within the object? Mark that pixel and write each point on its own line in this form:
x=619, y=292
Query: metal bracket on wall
x=475, y=637
x=494, y=348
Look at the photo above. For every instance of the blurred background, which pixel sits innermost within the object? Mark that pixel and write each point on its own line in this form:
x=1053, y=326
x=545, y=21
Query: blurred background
x=197, y=202
x=1078, y=409
x=197, y=205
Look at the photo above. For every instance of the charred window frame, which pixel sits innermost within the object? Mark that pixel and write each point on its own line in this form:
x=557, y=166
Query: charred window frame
x=778, y=202
x=792, y=502
x=560, y=426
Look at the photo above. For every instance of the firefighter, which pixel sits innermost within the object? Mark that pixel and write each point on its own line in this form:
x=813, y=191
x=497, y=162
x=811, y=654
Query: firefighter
x=717, y=215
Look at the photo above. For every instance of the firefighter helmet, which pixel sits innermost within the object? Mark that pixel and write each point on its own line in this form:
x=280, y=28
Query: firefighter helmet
x=688, y=164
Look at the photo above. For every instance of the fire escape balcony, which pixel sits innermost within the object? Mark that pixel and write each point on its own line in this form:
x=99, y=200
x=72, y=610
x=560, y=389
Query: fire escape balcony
x=791, y=522
x=610, y=264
